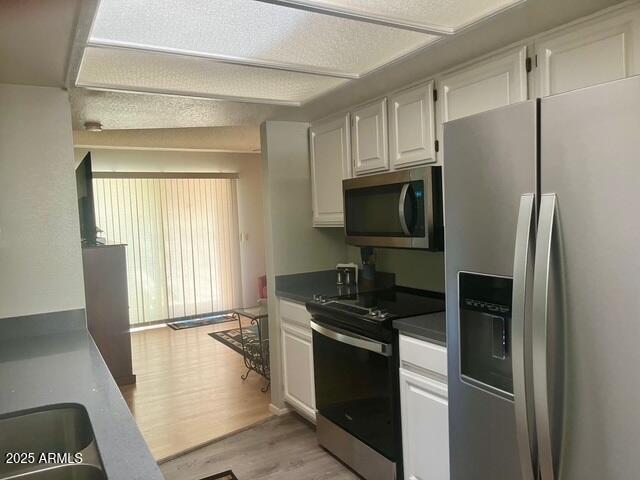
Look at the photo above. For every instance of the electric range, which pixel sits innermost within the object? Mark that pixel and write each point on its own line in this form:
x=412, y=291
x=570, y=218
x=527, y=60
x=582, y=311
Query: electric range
x=356, y=375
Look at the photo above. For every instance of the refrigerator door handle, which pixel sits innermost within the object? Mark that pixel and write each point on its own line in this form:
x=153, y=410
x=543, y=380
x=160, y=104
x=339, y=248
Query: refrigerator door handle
x=521, y=266
x=540, y=328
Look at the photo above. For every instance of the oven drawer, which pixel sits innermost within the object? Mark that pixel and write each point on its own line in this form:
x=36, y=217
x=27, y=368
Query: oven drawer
x=423, y=354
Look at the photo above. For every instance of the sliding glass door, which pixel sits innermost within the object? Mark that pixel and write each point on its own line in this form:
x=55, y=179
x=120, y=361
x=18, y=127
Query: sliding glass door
x=183, y=254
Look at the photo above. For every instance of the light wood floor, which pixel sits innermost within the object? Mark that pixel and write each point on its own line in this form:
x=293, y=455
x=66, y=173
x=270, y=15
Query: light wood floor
x=188, y=390
x=282, y=448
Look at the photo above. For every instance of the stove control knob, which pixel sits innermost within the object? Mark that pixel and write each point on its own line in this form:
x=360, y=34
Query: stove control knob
x=377, y=313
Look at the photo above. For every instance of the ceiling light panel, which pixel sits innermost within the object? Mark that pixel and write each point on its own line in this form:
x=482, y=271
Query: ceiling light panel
x=159, y=73
x=248, y=31
x=433, y=16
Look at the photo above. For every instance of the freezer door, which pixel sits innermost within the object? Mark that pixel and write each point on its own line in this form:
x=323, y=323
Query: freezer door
x=586, y=292
x=489, y=182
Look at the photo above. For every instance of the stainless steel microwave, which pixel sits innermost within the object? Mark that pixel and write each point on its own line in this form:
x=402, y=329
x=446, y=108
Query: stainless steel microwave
x=400, y=209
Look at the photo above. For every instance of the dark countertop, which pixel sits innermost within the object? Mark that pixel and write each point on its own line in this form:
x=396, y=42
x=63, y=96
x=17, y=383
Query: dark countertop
x=301, y=287
x=104, y=245
x=66, y=367
x=431, y=327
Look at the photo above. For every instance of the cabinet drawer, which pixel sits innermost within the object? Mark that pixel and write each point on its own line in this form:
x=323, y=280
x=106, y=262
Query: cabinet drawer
x=296, y=313
x=423, y=354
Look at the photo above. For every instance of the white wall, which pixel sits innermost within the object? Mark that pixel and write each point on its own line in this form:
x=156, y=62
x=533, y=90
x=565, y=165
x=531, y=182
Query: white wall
x=295, y=245
x=40, y=255
x=292, y=244
x=250, y=211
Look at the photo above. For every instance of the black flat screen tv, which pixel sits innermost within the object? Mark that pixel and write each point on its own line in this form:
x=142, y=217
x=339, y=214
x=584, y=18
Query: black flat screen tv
x=84, y=186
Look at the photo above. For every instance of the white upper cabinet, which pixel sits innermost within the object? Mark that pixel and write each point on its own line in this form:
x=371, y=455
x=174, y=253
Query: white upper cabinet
x=491, y=83
x=411, y=127
x=330, y=164
x=369, y=138
x=589, y=53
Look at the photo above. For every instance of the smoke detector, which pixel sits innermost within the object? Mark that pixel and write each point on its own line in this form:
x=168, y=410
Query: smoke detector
x=93, y=126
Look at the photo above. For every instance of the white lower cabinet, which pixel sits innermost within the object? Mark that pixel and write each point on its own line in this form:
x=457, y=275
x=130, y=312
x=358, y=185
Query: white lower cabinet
x=297, y=358
x=425, y=412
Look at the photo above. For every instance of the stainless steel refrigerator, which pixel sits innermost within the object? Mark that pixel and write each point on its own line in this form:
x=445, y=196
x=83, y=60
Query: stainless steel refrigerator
x=542, y=253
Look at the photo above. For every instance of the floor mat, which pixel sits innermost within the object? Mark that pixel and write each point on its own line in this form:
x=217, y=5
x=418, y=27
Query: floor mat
x=228, y=475
x=200, y=321
x=231, y=338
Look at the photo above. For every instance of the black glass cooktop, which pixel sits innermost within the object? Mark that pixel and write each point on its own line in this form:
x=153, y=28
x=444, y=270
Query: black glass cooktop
x=382, y=305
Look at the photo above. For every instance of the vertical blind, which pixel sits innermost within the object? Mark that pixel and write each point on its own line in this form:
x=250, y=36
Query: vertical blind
x=183, y=254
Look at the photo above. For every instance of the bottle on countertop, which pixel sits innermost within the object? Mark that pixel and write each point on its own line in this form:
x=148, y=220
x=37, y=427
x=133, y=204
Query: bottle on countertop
x=347, y=274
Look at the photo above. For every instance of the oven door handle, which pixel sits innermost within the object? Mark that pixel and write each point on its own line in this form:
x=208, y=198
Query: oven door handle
x=353, y=339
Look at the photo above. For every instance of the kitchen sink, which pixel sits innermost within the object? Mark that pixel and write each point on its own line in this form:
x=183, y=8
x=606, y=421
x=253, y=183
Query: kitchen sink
x=54, y=442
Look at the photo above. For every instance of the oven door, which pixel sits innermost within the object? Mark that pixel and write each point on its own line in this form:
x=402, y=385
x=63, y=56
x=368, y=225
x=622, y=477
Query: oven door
x=354, y=380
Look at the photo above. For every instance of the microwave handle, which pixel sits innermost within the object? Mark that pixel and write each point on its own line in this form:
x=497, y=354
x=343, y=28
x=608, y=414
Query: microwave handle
x=352, y=339
x=401, y=213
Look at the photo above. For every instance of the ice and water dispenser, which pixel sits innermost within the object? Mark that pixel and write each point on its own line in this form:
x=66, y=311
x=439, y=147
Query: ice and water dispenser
x=485, y=332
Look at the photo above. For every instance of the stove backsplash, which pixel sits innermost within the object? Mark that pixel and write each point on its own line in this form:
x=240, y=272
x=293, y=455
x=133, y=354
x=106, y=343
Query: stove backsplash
x=413, y=268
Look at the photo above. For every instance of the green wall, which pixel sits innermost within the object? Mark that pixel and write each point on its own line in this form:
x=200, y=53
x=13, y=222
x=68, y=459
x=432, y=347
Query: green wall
x=413, y=268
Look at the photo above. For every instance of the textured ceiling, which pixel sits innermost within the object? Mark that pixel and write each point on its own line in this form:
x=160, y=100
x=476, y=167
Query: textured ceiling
x=119, y=110
x=35, y=40
x=126, y=110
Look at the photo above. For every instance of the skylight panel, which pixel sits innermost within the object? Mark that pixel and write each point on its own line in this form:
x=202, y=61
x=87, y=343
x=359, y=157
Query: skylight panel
x=159, y=73
x=264, y=51
x=432, y=16
x=251, y=32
